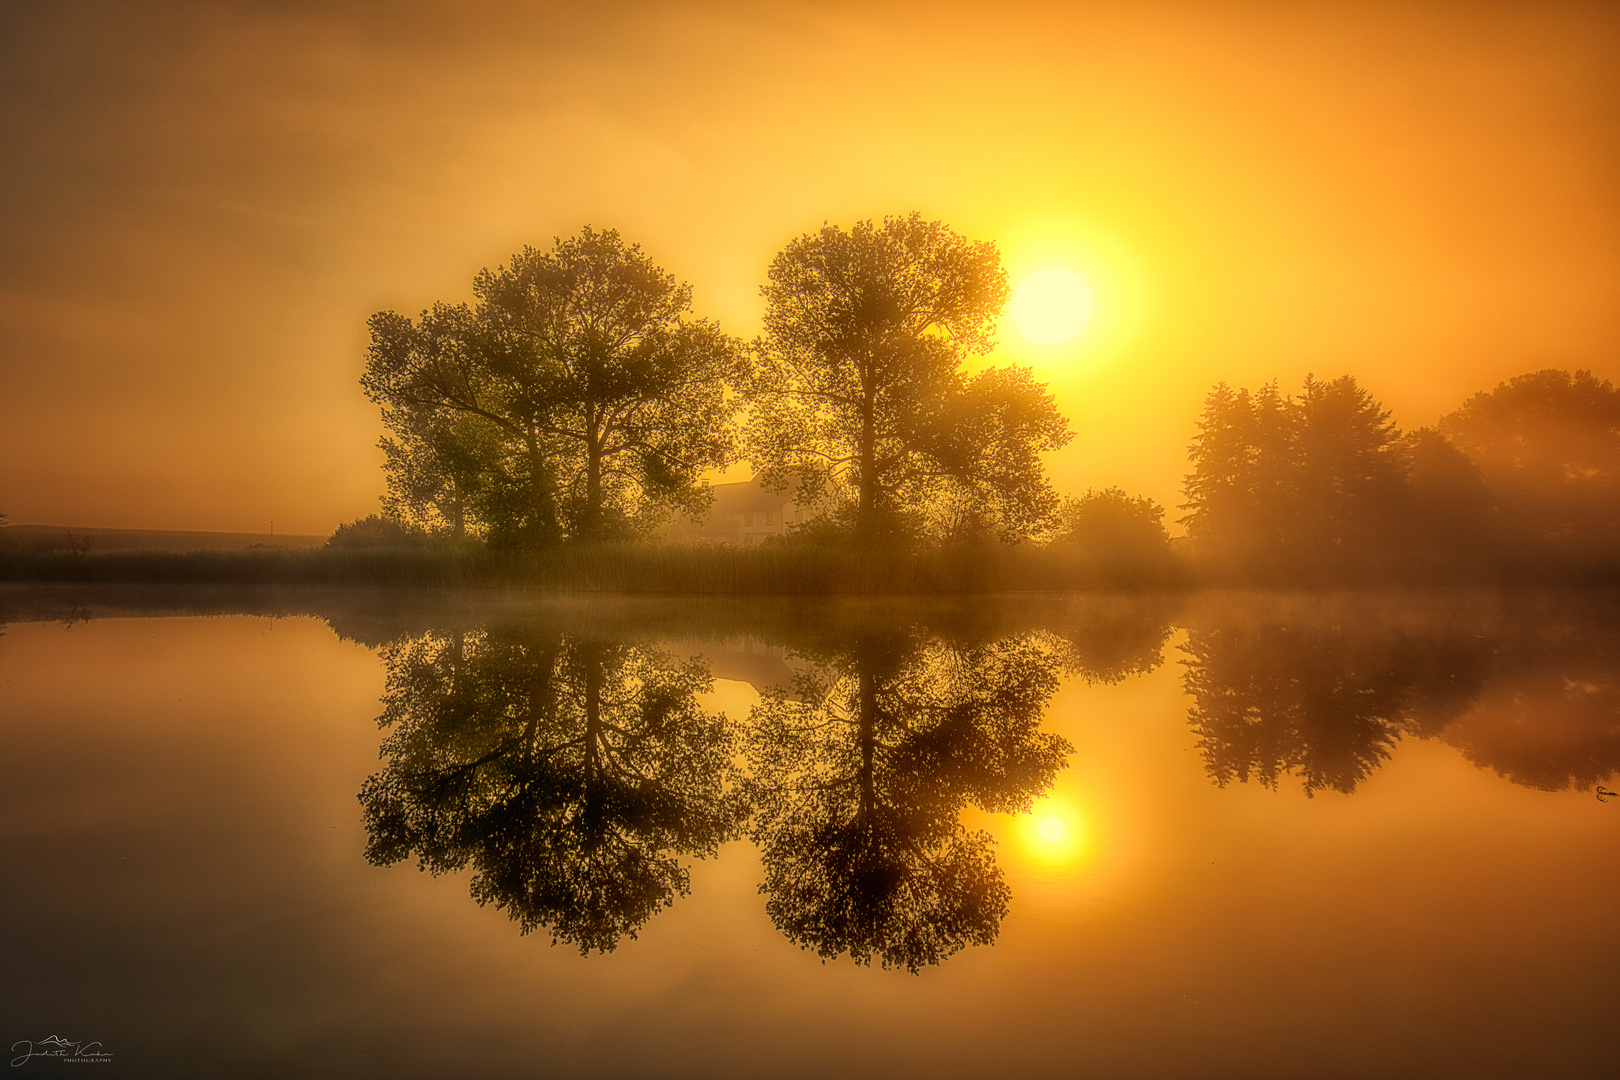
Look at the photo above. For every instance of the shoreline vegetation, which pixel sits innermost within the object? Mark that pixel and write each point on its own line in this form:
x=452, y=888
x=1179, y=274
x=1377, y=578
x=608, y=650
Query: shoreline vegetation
x=767, y=569
x=652, y=568
x=542, y=436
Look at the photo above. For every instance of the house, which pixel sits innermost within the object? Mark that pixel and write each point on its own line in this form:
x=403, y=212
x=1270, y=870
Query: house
x=744, y=512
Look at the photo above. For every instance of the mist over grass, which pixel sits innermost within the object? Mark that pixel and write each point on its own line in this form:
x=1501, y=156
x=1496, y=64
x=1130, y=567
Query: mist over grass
x=787, y=568
x=616, y=568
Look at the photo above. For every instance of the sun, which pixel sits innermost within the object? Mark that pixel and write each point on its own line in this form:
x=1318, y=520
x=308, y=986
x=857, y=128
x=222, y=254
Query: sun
x=1051, y=306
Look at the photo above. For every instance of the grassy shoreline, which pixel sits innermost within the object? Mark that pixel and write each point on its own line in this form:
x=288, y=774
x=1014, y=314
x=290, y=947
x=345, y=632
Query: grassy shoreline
x=769, y=569
x=626, y=568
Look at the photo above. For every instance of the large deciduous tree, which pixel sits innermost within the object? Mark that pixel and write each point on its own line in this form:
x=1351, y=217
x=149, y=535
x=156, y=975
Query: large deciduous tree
x=609, y=401
x=860, y=395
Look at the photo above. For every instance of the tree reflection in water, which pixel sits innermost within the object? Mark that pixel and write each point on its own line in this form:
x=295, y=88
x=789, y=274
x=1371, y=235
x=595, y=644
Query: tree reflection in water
x=571, y=774
x=860, y=779
x=1550, y=720
x=577, y=775
x=1326, y=696
x=1325, y=703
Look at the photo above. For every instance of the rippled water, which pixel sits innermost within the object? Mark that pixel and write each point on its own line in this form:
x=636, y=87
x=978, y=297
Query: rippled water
x=1214, y=835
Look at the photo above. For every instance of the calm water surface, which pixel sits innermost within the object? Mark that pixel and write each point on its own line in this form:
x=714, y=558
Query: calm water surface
x=1247, y=835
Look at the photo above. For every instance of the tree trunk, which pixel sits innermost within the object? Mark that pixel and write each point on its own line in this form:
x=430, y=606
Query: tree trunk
x=593, y=801
x=866, y=509
x=592, y=525
x=544, y=491
x=542, y=697
x=868, y=736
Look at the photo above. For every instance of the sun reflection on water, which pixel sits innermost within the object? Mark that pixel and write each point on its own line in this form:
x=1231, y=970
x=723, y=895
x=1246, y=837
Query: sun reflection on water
x=1053, y=833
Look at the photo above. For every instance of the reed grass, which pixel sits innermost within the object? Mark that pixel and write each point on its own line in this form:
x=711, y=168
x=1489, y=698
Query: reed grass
x=647, y=568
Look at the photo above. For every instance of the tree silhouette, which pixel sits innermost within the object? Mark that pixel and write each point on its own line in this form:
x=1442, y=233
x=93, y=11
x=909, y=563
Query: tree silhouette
x=859, y=392
x=609, y=401
x=1548, y=728
x=859, y=786
x=1288, y=485
x=1241, y=493
x=1351, y=466
x=571, y=774
x=1120, y=535
x=443, y=472
x=1528, y=690
x=1548, y=446
x=1324, y=702
x=431, y=374
x=1450, y=511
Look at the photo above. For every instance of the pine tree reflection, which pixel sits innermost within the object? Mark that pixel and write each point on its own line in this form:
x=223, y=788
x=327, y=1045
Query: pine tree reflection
x=1325, y=703
x=1527, y=690
x=860, y=783
x=571, y=774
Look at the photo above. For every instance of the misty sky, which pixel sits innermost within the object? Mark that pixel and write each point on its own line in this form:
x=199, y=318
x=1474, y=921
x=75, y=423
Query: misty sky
x=201, y=204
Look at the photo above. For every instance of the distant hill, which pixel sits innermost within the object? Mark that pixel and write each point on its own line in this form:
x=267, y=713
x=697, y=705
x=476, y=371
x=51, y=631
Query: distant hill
x=151, y=539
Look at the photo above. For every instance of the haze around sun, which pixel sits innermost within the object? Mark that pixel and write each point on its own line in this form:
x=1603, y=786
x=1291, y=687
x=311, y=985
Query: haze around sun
x=1052, y=306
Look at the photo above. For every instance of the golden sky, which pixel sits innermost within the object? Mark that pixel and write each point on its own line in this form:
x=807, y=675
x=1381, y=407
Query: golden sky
x=200, y=205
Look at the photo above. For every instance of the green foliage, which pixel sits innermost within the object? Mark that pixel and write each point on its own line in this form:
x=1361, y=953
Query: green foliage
x=444, y=473
x=859, y=391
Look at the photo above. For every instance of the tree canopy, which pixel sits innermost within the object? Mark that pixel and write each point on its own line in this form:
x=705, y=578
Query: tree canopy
x=859, y=391
x=1547, y=445
x=1316, y=480
x=574, y=400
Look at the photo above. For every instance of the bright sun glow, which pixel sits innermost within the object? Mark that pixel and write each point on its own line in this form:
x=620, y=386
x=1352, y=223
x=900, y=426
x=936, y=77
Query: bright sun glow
x=1052, y=305
x=1052, y=832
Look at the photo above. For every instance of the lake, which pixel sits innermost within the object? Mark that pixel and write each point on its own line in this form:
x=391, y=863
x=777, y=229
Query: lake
x=413, y=833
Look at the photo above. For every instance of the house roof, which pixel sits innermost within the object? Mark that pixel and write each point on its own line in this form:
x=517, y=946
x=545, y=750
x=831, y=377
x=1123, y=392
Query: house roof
x=749, y=497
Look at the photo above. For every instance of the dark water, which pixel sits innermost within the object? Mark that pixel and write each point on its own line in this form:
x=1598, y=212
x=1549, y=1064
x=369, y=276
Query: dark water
x=1217, y=835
